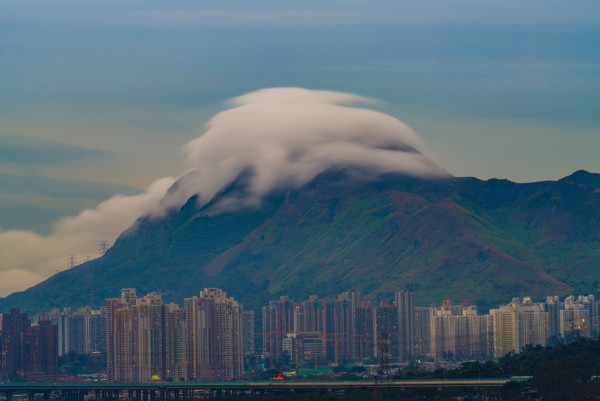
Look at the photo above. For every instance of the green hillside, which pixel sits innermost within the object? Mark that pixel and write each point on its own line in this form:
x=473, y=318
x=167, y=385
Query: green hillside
x=460, y=238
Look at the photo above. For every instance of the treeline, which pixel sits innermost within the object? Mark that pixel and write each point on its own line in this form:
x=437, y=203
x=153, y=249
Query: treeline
x=81, y=364
x=559, y=372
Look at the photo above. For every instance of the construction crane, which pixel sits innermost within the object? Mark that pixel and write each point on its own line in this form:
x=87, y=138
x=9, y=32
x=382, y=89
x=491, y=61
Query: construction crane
x=585, y=322
x=271, y=334
x=336, y=339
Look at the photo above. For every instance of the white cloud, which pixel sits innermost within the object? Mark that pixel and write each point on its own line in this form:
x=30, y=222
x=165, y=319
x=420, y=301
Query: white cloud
x=26, y=258
x=287, y=136
x=283, y=137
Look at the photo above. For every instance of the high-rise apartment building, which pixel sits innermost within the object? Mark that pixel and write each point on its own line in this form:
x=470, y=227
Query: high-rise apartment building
x=148, y=340
x=95, y=333
x=12, y=325
x=174, y=340
x=365, y=339
x=386, y=331
x=134, y=336
x=82, y=331
x=579, y=317
x=25, y=348
x=458, y=333
x=278, y=320
x=518, y=324
x=422, y=338
x=310, y=315
x=248, y=333
x=40, y=349
x=553, y=307
x=342, y=342
x=406, y=324
x=215, y=336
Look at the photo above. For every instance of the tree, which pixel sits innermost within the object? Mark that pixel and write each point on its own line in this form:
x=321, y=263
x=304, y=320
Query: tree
x=555, y=380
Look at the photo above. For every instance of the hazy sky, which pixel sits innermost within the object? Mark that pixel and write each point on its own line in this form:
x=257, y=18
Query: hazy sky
x=99, y=97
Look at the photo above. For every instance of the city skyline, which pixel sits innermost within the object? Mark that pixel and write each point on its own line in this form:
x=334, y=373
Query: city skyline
x=100, y=99
x=212, y=337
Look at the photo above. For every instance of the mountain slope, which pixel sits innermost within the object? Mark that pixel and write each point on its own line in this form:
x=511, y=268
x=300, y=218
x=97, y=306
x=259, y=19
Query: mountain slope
x=459, y=238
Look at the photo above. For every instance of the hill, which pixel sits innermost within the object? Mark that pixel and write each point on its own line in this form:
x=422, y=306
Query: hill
x=456, y=238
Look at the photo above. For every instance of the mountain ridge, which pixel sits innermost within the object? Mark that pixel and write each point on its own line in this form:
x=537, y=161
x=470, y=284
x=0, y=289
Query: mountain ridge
x=455, y=238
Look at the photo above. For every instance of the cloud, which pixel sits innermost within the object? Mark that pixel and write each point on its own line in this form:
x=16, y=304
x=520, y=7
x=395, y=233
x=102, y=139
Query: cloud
x=18, y=279
x=27, y=257
x=276, y=138
x=278, y=96
x=34, y=202
x=286, y=137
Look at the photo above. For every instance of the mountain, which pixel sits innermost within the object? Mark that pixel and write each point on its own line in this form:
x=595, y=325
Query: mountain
x=455, y=238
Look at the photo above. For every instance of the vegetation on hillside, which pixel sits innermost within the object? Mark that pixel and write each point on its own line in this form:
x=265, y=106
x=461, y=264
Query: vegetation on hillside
x=462, y=238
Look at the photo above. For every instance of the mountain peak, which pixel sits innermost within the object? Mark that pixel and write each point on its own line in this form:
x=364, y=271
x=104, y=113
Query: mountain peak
x=583, y=177
x=487, y=241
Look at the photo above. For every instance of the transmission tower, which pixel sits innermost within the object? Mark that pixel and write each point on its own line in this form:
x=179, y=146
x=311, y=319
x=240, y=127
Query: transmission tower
x=103, y=247
x=383, y=356
x=72, y=261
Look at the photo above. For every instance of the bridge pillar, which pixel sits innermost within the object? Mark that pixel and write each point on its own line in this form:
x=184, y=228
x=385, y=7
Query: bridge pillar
x=70, y=395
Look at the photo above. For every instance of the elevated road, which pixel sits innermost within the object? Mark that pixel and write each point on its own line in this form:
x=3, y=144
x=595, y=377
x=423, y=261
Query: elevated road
x=185, y=391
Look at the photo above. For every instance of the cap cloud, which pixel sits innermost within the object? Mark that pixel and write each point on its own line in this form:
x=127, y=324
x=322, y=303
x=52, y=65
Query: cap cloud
x=288, y=136
x=284, y=137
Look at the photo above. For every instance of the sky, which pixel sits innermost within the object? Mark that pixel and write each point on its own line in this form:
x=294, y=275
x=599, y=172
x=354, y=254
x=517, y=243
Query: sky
x=99, y=99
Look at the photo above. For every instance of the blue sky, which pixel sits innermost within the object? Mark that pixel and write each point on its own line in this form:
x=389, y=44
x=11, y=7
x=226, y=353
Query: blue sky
x=108, y=92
